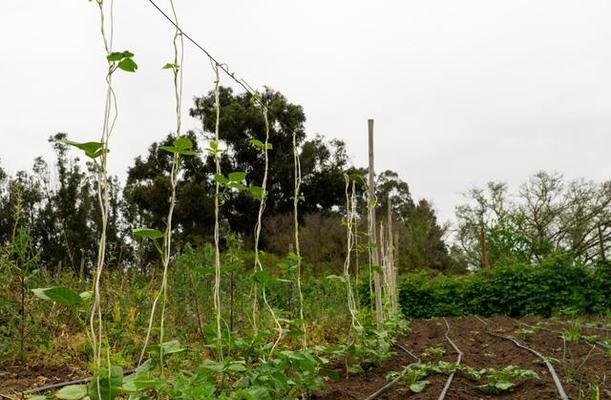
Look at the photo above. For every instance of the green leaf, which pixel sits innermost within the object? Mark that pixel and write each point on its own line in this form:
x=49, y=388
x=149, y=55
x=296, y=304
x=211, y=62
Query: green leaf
x=237, y=176
x=256, y=192
x=148, y=233
x=178, y=150
x=252, y=393
x=170, y=66
x=220, y=179
x=135, y=383
x=86, y=295
x=183, y=143
x=127, y=64
x=419, y=386
x=115, y=56
x=504, y=385
x=260, y=145
x=171, y=149
x=106, y=385
x=336, y=278
x=170, y=347
x=257, y=143
x=72, y=392
x=92, y=149
x=60, y=295
x=214, y=148
x=236, y=367
x=262, y=277
x=212, y=365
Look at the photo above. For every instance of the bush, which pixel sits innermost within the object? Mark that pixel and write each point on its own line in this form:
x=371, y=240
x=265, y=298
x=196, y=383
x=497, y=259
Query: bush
x=557, y=285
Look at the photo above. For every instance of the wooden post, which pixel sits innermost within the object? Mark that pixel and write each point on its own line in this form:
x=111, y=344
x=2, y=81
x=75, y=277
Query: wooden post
x=391, y=256
x=372, y=230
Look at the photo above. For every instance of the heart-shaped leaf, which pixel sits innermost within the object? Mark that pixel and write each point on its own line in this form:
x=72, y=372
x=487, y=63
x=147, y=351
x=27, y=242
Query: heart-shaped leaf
x=60, y=295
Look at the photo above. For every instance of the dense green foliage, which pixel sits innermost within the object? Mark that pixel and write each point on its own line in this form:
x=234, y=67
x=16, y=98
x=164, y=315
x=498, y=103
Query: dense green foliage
x=557, y=285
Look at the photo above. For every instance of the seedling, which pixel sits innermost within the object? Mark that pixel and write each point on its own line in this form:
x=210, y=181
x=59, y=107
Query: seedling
x=434, y=352
x=506, y=379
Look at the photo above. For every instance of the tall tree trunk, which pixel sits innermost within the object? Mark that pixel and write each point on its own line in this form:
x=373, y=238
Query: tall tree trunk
x=484, y=248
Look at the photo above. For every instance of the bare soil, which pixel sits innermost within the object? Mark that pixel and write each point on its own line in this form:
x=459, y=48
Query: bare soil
x=577, y=363
x=17, y=378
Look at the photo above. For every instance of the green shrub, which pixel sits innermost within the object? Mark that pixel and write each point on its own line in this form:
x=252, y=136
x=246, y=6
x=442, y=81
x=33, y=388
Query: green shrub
x=556, y=285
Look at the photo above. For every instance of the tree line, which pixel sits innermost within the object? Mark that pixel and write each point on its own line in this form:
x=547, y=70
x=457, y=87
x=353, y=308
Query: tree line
x=549, y=216
x=60, y=209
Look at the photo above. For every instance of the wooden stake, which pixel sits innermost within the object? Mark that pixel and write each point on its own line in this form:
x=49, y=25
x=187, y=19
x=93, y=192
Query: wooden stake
x=372, y=230
x=391, y=256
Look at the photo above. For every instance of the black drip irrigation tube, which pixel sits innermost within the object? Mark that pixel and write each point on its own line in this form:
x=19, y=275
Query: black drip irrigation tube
x=549, y=366
x=446, y=387
x=390, y=384
x=61, y=385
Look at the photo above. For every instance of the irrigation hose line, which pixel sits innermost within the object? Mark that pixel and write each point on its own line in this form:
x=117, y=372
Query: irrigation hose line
x=390, y=384
x=63, y=384
x=409, y=352
x=557, y=382
x=549, y=366
x=442, y=395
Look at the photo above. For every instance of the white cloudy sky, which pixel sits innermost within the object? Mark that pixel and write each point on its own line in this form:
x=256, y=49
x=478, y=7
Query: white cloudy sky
x=462, y=92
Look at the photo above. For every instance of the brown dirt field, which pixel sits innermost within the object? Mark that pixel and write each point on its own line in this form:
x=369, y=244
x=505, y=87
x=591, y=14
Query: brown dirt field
x=576, y=363
x=18, y=378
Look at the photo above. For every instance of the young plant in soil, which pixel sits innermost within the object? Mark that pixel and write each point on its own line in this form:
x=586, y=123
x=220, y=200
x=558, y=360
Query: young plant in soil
x=434, y=352
x=506, y=379
x=495, y=381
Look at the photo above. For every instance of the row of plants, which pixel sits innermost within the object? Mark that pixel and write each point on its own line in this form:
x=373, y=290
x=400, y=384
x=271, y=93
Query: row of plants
x=247, y=370
x=488, y=380
x=556, y=285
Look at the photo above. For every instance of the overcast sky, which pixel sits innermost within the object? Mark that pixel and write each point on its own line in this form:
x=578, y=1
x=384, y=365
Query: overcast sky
x=462, y=92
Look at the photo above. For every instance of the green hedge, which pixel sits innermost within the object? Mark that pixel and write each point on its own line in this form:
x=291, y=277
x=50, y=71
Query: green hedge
x=515, y=290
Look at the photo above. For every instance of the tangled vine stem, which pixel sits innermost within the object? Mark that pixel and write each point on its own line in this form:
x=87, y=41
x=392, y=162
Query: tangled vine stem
x=350, y=218
x=162, y=295
x=258, y=265
x=217, y=193
x=296, y=197
x=550, y=367
x=108, y=121
x=443, y=393
x=103, y=193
